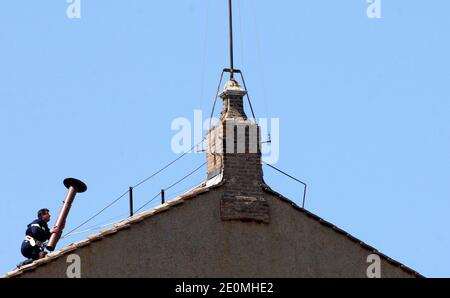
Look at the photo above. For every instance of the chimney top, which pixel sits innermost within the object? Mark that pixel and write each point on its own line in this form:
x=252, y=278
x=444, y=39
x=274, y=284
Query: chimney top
x=232, y=88
x=233, y=103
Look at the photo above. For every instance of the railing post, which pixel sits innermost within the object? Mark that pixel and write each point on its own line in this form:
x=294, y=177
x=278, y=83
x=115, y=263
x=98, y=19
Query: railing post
x=131, y=201
x=304, y=196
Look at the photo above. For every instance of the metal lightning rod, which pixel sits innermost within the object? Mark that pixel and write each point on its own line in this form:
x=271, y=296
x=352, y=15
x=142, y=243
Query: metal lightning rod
x=230, y=14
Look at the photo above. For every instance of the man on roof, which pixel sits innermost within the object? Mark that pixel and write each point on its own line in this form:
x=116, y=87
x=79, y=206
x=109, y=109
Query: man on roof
x=36, y=234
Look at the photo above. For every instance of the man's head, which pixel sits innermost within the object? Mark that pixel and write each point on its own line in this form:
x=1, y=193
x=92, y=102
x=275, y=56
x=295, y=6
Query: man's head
x=44, y=214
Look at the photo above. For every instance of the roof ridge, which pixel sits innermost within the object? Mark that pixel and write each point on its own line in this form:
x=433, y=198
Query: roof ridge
x=338, y=230
x=121, y=225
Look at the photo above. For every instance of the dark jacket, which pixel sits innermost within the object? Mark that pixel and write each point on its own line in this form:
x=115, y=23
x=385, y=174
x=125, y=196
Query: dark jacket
x=39, y=230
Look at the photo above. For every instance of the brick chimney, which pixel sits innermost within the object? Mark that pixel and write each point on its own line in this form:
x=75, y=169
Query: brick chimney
x=234, y=150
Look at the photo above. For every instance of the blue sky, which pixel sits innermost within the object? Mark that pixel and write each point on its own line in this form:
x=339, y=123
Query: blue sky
x=363, y=107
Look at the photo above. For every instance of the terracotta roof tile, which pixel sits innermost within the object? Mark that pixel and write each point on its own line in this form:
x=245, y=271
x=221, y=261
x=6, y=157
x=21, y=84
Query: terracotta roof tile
x=95, y=237
x=122, y=225
x=82, y=243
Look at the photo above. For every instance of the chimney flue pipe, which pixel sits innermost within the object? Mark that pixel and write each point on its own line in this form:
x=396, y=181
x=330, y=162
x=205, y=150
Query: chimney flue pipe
x=74, y=186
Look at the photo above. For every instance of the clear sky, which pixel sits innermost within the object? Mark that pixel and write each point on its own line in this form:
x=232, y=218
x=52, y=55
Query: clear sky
x=363, y=106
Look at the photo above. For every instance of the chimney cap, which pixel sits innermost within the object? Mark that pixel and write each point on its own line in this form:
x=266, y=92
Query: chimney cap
x=77, y=184
x=232, y=88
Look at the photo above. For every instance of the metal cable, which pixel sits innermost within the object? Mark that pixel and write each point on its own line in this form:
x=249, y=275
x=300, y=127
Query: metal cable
x=293, y=178
x=96, y=227
x=248, y=96
x=182, y=190
x=137, y=185
x=191, y=173
x=168, y=165
x=215, y=99
x=174, y=184
x=98, y=213
x=157, y=195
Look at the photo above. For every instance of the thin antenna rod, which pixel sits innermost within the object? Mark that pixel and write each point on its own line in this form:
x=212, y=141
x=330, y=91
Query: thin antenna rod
x=230, y=9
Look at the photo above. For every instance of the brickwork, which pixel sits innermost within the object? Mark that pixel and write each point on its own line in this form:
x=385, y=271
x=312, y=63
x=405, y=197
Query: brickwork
x=233, y=149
